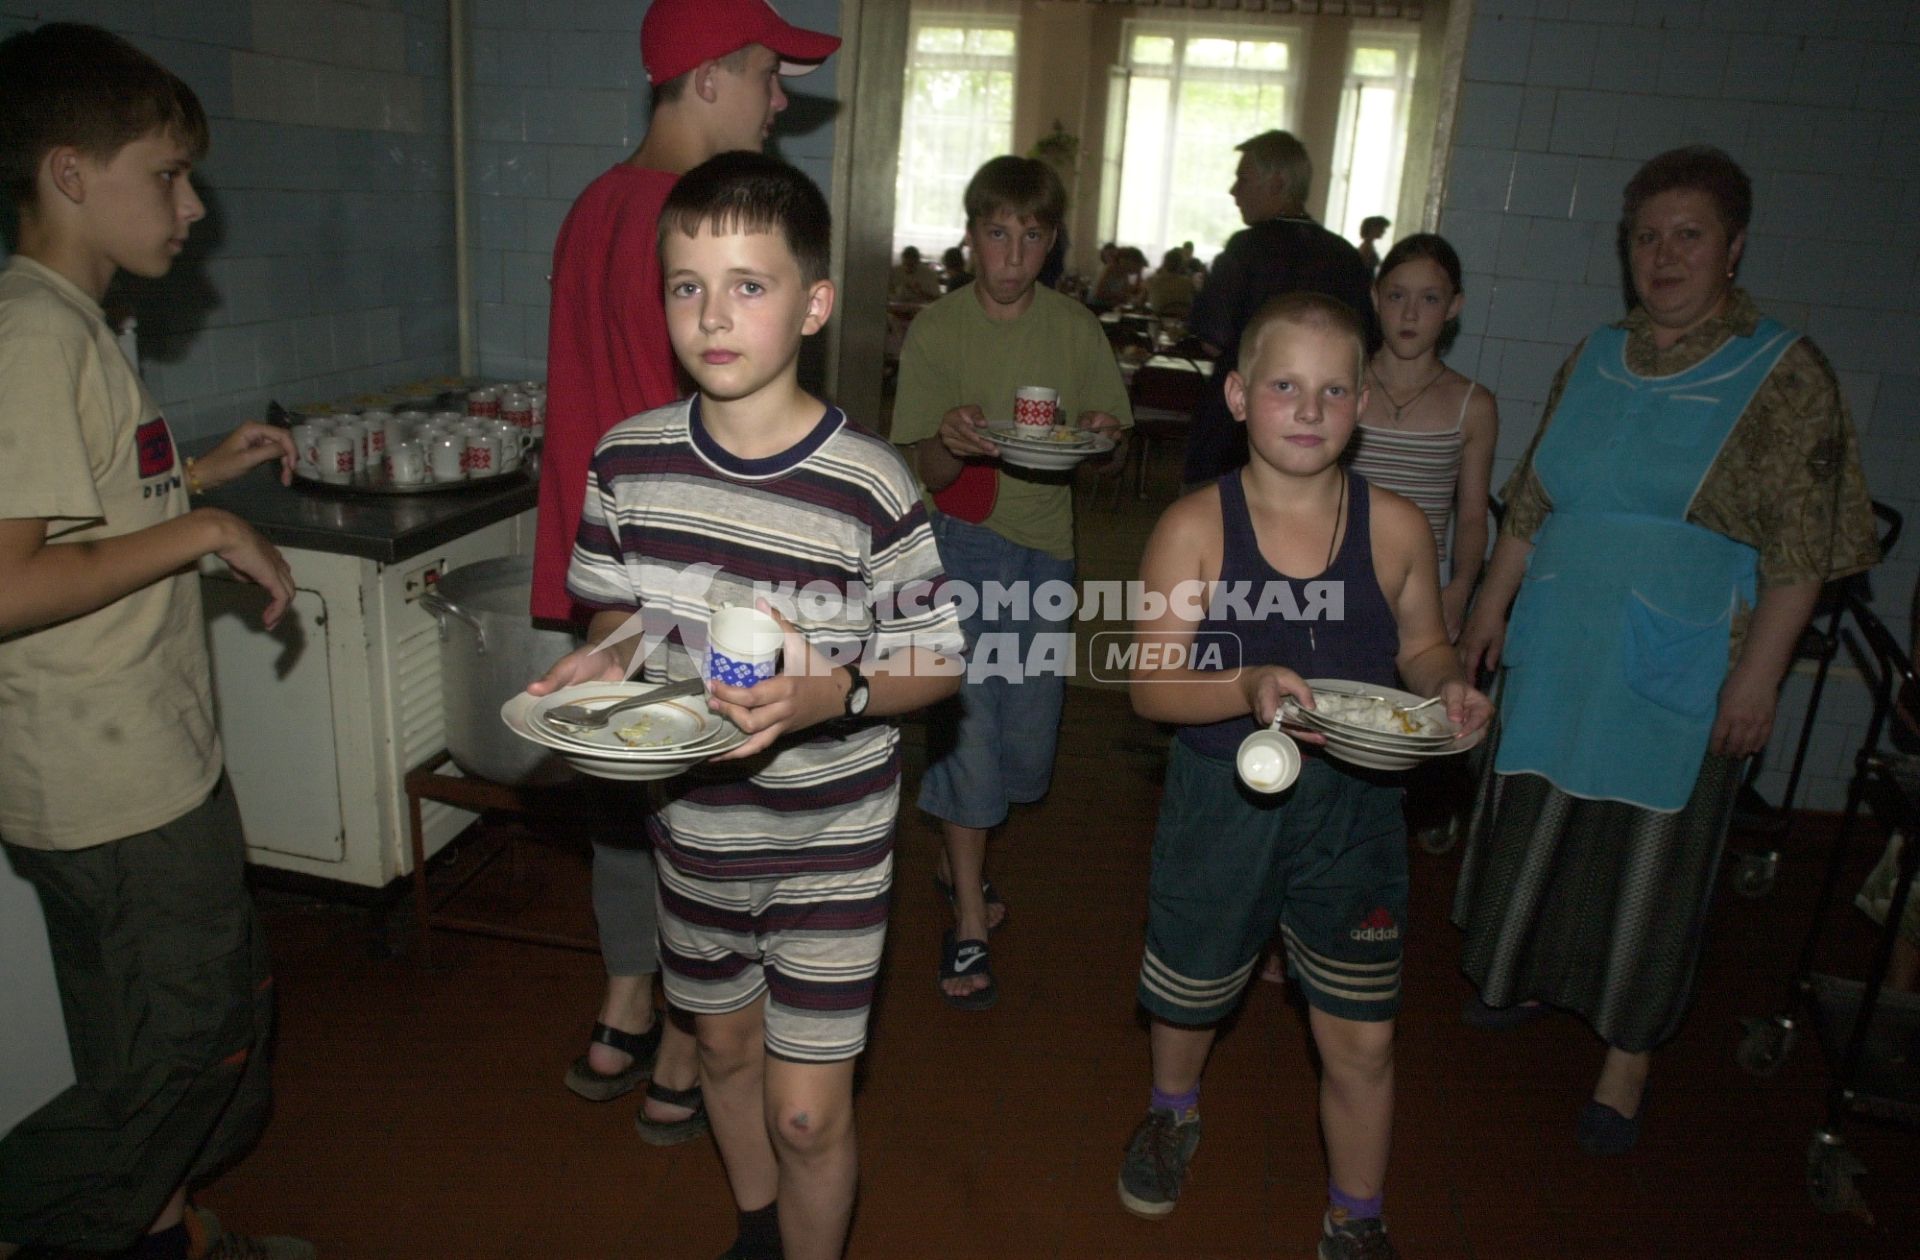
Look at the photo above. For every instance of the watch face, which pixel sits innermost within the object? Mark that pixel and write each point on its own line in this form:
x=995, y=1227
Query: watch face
x=857, y=698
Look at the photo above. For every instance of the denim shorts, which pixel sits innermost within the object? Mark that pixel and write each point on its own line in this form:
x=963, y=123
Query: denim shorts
x=992, y=745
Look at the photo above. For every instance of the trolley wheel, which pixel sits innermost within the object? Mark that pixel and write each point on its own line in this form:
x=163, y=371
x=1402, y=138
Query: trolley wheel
x=1764, y=1046
x=1754, y=876
x=1831, y=1173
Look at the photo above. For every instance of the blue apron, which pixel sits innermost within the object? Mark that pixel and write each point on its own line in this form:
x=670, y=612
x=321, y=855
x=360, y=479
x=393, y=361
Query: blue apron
x=1619, y=637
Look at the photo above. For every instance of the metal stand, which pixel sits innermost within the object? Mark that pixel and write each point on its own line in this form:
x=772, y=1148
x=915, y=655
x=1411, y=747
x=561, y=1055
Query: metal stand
x=480, y=796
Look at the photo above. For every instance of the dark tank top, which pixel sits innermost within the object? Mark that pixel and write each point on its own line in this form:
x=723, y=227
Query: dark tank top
x=1335, y=625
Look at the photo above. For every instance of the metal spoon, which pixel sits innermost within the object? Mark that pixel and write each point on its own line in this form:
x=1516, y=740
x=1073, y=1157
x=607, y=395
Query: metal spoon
x=1415, y=708
x=580, y=717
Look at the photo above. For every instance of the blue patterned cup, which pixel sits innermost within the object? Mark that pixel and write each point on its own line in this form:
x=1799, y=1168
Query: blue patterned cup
x=743, y=646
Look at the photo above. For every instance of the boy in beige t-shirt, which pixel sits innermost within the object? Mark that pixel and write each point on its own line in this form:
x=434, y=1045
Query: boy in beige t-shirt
x=112, y=800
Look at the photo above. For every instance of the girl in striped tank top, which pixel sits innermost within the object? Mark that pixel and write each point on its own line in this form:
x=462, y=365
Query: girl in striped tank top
x=1427, y=431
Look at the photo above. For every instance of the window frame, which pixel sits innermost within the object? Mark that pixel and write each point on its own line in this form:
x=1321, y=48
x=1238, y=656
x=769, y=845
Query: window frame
x=1293, y=80
x=906, y=233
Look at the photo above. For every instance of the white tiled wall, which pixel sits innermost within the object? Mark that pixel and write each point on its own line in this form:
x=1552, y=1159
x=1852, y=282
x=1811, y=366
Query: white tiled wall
x=325, y=264
x=1821, y=105
x=559, y=96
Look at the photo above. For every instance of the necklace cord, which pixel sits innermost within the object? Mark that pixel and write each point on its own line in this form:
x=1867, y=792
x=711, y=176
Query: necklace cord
x=1400, y=408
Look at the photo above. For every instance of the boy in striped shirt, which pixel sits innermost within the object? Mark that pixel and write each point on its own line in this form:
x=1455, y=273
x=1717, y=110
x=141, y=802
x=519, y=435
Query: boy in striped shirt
x=776, y=859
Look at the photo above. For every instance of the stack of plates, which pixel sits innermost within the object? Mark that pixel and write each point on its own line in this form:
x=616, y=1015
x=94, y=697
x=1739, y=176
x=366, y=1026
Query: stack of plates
x=655, y=742
x=1050, y=449
x=1361, y=726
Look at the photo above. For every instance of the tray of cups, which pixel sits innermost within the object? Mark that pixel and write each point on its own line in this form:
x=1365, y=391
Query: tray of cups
x=1367, y=725
x=658, y=741
x=408, y=452
x=1049, y=447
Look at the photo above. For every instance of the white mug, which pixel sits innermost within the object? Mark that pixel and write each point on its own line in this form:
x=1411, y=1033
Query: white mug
x=1268, y=761
x=306, y=449
x=1034, y=406
x=483, y=455
x=484, y=402
x=335, y=454
x=408, y=461
x=514, y=443
x=446, y=457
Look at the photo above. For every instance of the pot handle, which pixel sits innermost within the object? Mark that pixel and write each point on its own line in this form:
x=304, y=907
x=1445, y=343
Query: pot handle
x=442, y=608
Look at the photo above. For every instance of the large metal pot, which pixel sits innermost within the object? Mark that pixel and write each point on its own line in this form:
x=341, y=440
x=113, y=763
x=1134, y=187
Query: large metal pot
x=489, y=651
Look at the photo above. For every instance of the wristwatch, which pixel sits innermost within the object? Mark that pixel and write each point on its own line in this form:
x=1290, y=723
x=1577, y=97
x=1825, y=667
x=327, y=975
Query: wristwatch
x=858, y=693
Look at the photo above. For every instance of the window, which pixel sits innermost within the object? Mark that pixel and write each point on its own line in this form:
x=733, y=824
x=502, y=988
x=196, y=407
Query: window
x=958, y=113
x=1370, y=148
x=1188, y=96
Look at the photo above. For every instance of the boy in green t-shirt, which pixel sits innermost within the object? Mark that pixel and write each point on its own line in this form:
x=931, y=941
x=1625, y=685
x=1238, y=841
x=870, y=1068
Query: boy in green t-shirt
x=1000, y=527
x=112, y=800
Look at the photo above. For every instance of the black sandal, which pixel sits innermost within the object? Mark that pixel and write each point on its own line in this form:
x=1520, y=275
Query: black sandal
x=673, y=1132
x=960, y=959
x=597, y=1086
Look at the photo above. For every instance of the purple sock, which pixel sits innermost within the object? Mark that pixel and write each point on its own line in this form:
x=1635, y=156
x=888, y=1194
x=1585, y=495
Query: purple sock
x=1354, y=1209
x=1179, y=1104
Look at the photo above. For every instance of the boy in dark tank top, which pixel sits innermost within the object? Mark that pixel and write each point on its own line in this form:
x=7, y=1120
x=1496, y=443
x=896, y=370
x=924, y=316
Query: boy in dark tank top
x=1352, y=569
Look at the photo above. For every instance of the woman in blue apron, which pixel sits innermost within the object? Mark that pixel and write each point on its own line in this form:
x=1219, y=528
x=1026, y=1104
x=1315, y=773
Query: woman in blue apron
x=1694, y=481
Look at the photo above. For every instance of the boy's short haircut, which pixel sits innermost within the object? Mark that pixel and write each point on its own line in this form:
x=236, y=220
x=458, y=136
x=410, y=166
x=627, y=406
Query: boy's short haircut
x=751, y=192
x=676, y=87
x=1026, y=188
x=67, y=83
x=1281, y=153
x=1304, y=310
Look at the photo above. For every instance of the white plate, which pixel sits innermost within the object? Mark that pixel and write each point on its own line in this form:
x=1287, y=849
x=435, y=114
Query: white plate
x=630, y=771
x=518, y=714
x=1052, y=437
x=1375, y=757
x=670, y=725
x=1051, y=456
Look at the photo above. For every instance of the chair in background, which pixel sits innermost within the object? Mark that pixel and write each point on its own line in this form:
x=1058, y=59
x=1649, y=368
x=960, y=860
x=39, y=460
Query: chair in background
x=1164, y=396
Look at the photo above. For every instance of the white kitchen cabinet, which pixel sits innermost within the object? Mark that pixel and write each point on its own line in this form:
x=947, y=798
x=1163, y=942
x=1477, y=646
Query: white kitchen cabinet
x=322, y=718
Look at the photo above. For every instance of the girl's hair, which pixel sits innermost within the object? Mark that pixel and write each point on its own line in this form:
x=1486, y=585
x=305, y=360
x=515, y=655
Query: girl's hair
x=1428, y=245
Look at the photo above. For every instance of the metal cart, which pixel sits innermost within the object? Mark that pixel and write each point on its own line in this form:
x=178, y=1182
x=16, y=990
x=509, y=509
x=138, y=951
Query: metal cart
x=1870, y=1037
x=1754, y=870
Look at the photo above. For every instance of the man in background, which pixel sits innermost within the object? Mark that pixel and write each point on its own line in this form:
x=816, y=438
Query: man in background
x=1282, y=250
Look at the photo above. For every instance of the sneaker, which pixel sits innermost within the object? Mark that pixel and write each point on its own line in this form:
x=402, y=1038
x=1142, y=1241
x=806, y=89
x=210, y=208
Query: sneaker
x=206, y=1240
x=1157, y=1157
x=1364, y=1239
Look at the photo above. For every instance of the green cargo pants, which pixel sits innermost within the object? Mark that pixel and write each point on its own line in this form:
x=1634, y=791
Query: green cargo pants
x=168, y=1002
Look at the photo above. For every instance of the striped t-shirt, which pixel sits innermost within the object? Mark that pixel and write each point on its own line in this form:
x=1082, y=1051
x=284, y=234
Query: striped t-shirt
x=832, y=531
x=1425, y=467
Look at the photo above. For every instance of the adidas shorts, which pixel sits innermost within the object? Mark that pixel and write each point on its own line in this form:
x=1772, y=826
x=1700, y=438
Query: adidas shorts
x=1325, y=860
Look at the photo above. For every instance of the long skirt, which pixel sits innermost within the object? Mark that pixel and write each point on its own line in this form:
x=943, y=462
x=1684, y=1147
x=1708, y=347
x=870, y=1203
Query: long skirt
x=1596, y=907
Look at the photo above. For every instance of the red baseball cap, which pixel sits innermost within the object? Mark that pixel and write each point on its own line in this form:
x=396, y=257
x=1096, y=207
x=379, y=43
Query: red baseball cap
x=677, y=35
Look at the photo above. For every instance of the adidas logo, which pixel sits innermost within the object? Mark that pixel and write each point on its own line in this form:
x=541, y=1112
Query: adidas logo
x=1377, y=926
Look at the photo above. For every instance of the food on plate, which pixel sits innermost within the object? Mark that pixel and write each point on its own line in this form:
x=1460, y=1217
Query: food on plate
x=1375, y=714
x=640, y=735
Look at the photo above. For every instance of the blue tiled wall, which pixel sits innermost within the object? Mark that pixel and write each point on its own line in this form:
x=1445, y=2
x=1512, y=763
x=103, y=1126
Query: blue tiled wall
x=325, y=264
x=558, y=96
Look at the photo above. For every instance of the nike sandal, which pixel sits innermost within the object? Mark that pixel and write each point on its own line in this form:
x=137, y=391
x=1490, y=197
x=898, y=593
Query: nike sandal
x=966, y=958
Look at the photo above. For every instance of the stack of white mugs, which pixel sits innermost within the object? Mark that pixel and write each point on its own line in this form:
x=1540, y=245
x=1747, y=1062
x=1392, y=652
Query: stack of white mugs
x=490, y=438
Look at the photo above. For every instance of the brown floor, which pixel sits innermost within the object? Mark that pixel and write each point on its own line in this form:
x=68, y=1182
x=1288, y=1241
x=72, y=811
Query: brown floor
x=420, y=1111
